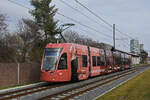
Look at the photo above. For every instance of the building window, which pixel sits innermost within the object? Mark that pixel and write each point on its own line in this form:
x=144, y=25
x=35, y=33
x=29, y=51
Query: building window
x=84, y=61
x=94, y=60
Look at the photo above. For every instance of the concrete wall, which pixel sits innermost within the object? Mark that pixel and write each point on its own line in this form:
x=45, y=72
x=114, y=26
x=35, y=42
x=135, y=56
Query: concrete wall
x=28, y=73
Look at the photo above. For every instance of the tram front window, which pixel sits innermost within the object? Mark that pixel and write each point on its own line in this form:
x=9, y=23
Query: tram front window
x=50, y=59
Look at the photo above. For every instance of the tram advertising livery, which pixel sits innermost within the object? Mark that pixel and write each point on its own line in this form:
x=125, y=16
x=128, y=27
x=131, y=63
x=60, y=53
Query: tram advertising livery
x=71, y=62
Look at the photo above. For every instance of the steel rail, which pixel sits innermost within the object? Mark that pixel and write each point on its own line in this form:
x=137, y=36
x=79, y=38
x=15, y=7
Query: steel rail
x=66, y=94
x=23, y=92
x=28, y=91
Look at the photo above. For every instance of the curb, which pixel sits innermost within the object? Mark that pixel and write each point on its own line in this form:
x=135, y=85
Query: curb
x=23, y=87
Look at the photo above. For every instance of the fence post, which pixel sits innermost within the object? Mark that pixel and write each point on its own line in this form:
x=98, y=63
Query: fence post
x=18, y=73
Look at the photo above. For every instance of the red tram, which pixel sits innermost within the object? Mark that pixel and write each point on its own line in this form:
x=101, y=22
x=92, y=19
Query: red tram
x=67, y=61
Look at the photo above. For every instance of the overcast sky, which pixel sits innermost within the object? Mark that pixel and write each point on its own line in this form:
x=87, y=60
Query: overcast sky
x=132, y=17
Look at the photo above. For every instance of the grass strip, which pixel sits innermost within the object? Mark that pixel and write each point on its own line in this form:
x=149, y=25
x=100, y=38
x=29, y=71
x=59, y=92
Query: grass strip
x=137, y=88
x=19, y=85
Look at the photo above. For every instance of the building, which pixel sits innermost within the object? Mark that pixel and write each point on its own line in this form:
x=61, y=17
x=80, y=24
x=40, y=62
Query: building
x=135, y=59
x=148, y=59
x=141, y=47
x=135, y=46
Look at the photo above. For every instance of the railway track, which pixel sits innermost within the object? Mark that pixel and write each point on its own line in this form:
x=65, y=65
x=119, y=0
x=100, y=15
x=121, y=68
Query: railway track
x=22, y=92
x=70, y=92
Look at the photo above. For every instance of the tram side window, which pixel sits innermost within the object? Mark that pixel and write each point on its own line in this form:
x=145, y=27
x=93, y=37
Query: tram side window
x=84, y=61
x=98, y=61
x=102, y=61
x=107, y=61
x=115, y=62
x=63, y=62
x=118, y=60
x=94, y=60
x=126, y=61
x=123, y=60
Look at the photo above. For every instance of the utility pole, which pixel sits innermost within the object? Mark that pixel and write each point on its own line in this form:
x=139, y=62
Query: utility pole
x=18, y=78
x=114, y=36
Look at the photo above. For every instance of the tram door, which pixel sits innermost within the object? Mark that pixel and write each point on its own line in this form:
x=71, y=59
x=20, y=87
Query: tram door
x=105, y=61
x=74, y=68
x=63, y=71
x=83, y=67
x=89, y=56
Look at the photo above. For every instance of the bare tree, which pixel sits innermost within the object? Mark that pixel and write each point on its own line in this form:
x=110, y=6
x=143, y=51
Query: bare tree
x=7, y=52
x=28, y=35
x=4, y=50
x=38, y=41
x=71, y=36
x=3, y=28
x=3, y=25
x=74, y=37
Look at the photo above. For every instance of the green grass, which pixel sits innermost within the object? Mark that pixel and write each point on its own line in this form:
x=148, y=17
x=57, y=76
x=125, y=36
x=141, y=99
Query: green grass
x=140, y=65
x=19, y=85
x=137, y=88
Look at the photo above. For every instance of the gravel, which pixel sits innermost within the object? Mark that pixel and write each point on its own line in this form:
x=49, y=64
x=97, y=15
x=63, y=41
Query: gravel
x=100, y=91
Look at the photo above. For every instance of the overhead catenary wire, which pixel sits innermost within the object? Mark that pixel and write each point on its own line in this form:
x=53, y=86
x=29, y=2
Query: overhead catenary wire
x=105, y=22
x=21, y=5
x=84, y=25
x=67, y=4
x=102, y=19
x=87, y=33
x=122, y=39
x=93, y=13
x=110, y=25
x=83, y=30
x=81, y=12
x=124, y=42
x=77, y=10
x=67, y=18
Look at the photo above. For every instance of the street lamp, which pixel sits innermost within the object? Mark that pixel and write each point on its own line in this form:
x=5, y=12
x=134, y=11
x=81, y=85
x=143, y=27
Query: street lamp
x=67, y=25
